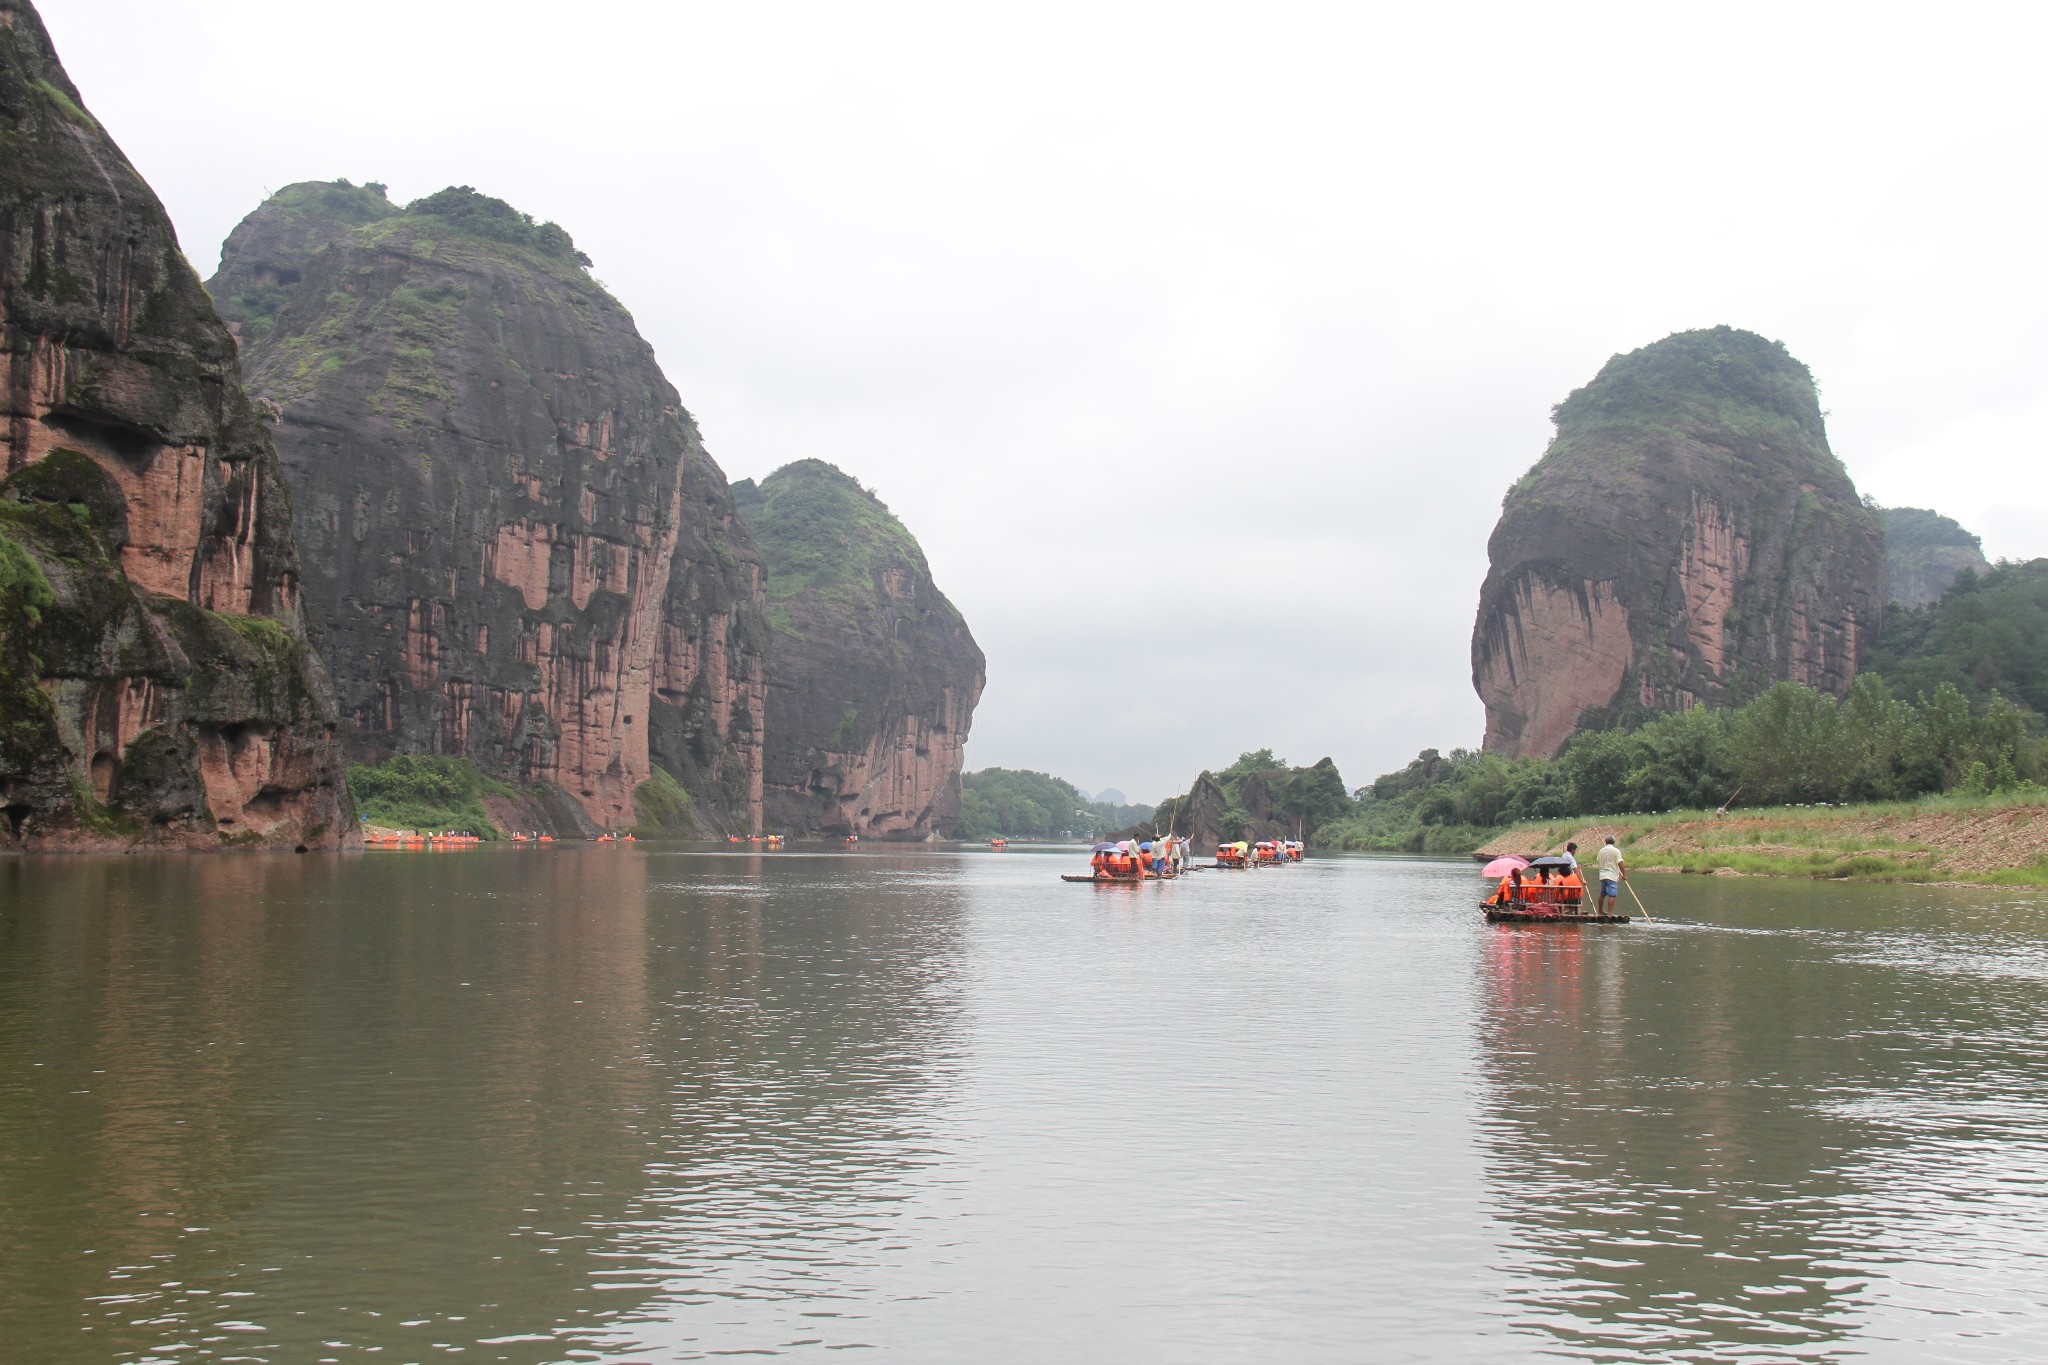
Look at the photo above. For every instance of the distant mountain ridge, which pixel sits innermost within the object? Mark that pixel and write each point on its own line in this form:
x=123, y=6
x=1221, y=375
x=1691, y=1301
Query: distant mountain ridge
x=1925, y=551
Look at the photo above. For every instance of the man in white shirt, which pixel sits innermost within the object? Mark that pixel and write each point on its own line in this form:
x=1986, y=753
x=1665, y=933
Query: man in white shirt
x=1613, y=872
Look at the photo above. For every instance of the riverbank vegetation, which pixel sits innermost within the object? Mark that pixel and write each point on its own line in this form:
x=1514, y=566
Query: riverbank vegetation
x=1999, y=838
x=1986, y=637
x=420, y=792
x=1791, y=746
x=1018, y=804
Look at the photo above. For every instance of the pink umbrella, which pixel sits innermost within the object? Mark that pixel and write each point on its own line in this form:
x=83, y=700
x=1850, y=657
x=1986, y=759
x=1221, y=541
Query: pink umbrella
x=1500, y=867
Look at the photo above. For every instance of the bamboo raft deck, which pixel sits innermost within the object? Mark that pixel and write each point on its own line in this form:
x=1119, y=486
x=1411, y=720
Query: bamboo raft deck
x=1496, y=915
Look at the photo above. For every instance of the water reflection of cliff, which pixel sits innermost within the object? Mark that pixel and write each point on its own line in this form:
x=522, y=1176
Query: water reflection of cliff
x=307, y=1107
x=1653, y=1146
x=809, y=1021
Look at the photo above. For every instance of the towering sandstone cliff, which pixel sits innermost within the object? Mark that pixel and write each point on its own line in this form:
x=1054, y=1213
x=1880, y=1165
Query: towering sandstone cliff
x=874, y=675
x=1688, y=537
x=517, y=548
x=154, y=685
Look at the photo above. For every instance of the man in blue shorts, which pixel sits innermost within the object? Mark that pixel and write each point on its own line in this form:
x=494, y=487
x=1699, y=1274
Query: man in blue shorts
x=1613, y=872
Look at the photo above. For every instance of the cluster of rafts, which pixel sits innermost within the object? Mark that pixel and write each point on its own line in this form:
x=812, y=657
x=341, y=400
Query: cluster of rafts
x=1131, y=860
x=417, y=839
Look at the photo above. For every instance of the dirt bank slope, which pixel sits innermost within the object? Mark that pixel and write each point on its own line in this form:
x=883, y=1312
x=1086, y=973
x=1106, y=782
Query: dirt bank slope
x=1970, y=839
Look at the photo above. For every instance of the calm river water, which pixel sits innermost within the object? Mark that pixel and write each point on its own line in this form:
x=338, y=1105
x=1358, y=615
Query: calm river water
x=652, y=1104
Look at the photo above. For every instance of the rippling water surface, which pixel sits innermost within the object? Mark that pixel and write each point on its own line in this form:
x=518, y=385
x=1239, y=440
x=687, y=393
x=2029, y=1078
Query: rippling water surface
x=652, y=1104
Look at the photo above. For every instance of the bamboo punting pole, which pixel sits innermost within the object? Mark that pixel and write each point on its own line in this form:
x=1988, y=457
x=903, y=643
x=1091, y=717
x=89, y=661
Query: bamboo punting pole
x=1638, y=899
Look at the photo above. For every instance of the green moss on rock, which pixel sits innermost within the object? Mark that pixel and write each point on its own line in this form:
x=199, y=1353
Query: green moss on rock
x=817, y=527
x=662, y=808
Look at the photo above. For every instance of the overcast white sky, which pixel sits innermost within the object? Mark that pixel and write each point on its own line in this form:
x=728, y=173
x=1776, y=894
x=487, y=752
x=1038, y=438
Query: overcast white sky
x=1196, y=343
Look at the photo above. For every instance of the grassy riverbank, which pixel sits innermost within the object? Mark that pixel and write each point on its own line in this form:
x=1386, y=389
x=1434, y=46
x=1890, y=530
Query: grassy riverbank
x=1997, y=839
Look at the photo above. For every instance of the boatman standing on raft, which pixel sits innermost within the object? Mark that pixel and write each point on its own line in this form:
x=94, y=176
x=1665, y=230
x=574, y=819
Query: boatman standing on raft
x=1613, y=872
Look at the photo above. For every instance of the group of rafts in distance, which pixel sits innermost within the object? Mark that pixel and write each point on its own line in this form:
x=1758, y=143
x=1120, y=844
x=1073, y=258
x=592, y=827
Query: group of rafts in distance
x=1131, y=860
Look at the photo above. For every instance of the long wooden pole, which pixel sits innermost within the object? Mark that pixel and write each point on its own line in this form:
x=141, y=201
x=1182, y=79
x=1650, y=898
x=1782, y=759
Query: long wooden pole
x=1638, y=899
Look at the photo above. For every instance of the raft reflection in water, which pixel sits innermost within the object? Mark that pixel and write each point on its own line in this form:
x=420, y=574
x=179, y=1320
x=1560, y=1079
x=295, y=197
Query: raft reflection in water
x=1683, y=1142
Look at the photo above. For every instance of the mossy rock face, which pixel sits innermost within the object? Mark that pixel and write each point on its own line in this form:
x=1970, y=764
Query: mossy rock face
x=663, y=809
x=141, y=480
x=497, y=491
x=72, y=479
x=868, y=658
x=159, y=784
x=1689, y=537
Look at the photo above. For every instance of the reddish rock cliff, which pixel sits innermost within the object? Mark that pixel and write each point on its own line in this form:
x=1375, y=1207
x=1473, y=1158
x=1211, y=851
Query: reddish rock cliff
x=154, y=687
x=518, y=549
x=874, y=675
x=1688, y=537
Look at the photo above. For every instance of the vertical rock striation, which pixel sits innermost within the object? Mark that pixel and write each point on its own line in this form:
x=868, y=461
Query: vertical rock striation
x=1688, y=537
x=517, y=547
x=154, y=685
x=874, y=675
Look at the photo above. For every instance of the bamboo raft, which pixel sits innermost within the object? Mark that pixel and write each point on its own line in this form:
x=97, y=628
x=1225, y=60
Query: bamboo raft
x=1497, y=915
x=1113, y=881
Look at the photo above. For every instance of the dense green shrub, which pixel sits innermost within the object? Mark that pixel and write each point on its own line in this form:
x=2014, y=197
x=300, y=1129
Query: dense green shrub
x=818, y=527
x=1988, y=634
x=482, y=216
x=421, y=792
